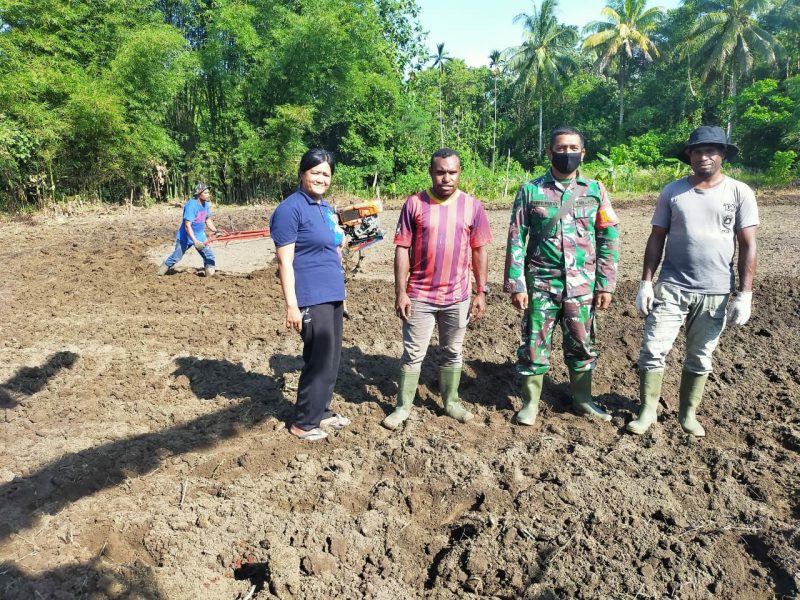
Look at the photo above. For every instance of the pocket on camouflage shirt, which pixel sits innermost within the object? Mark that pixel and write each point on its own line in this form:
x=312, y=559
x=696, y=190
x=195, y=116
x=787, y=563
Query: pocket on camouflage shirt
x=581, y=226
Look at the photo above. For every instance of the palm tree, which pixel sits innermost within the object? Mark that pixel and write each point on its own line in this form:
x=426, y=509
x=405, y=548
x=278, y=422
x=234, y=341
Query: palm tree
x=622, y=36
x=545, y=56
x=727, y=37
x=784, y=20
x=440, y=59
x=678, y=26
x=494, y=66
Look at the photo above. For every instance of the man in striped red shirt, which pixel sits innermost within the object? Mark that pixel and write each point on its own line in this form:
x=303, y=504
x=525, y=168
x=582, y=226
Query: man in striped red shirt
x=439, y=233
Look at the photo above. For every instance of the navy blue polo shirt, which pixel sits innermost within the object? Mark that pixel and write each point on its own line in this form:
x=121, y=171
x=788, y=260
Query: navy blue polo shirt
x=314, y=230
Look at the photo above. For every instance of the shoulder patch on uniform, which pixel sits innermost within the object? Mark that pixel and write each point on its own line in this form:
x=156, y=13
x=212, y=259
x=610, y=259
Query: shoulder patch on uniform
x=606, y=217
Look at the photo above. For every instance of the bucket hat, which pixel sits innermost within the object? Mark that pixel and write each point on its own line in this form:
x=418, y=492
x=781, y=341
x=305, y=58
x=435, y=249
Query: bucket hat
x=707, y=134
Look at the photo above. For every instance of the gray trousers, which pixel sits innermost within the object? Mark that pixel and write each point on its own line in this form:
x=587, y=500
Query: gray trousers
x=452, y=322
x=704, y=315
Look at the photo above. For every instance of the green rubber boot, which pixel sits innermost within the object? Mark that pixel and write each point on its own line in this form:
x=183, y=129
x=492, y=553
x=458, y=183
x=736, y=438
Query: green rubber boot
x=406, y=390
x=649, y=393
x=449, y=378
x=691, y=393
x=531, y=392
x=580, y=382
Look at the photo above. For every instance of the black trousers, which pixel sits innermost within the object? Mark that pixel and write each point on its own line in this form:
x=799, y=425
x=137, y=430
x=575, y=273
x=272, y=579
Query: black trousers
x=322, y=349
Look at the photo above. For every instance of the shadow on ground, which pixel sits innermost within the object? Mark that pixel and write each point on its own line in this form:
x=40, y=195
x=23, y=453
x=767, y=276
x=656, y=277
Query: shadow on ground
x=29, y=380
x=92, y=579
x=80, y=474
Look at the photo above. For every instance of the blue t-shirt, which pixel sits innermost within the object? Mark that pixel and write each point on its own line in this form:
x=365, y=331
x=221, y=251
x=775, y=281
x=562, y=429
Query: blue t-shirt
x=196, y=213
x=314, y=230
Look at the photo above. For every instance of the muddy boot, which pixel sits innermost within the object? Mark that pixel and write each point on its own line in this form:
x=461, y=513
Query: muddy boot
x=449, y=378
x=162, y=270
x=580, y=382
x=649, y=393
x=531, y=392
x=691, y=393
x=406, y=390
x=210, y=271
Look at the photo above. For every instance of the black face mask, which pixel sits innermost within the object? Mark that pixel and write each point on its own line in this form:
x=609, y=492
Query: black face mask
x=566, y=162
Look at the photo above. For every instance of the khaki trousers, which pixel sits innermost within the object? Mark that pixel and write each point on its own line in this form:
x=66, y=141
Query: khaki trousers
x=451, y=321
x=704, y=315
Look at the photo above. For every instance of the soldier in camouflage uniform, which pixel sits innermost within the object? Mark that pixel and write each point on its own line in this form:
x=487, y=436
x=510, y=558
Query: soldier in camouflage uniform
x=561, y=265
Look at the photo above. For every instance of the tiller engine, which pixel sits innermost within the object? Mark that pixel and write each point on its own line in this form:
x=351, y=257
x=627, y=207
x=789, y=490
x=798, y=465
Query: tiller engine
x=360, y=224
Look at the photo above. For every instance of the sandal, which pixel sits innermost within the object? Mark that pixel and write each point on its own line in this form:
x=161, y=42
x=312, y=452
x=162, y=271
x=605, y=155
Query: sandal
x=335, y=421
x=312, y=435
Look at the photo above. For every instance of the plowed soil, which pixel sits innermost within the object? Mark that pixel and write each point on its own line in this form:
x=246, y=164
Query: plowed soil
x=145, y=451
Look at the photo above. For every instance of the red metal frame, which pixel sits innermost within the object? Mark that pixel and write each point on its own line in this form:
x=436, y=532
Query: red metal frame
x=359, y=246
x=236, y=236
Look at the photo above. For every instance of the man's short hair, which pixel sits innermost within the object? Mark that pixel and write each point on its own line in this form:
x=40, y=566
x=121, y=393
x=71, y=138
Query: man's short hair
x=444, y=153
x=565, y=130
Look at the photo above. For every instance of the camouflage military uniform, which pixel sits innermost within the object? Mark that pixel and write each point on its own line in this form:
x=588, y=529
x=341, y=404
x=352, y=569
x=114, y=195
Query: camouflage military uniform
x=561, y=273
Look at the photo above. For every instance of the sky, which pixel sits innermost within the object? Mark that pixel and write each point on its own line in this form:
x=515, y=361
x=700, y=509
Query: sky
x=471, y=29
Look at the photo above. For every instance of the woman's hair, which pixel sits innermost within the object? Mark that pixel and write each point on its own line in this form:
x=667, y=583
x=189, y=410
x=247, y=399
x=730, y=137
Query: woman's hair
x=314, y=157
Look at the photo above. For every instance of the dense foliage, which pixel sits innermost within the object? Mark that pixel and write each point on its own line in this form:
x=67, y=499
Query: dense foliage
x=136, y=99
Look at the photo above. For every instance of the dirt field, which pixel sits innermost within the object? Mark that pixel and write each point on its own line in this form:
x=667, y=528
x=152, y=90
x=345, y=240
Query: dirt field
x=145, y=452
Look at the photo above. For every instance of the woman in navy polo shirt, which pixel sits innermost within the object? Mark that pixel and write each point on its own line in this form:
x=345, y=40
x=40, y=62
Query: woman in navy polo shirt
x=308, y=243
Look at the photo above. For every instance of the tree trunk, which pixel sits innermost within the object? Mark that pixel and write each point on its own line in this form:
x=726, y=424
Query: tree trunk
x=494, y=130
x=621, y=93
x=476, y=145
x=732, y=96
x=441, y=122
x=541, y=110
x=508, y=168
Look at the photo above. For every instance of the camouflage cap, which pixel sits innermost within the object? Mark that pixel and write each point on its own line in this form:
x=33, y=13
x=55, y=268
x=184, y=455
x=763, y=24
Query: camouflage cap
x=199, y=189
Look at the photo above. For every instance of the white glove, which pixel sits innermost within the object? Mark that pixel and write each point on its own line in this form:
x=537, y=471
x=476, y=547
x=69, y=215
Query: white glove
x=645, y=298
x=739, y=310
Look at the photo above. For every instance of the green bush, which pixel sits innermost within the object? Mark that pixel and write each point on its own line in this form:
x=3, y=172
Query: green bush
x=645, y=150
x=351, y=180
x=629, y=177
x=16, y=149
x=780, y=167
x=752, y=177
x=409, y=183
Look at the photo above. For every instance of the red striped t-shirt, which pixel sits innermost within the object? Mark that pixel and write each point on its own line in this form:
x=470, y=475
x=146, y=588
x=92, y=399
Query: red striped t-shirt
x=441, y=236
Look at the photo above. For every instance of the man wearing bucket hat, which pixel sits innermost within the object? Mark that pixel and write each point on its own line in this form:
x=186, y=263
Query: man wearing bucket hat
x=192, y=231
x=697, y=224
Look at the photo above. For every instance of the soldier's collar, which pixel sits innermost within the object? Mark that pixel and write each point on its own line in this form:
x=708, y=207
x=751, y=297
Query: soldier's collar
x=579, y=179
